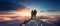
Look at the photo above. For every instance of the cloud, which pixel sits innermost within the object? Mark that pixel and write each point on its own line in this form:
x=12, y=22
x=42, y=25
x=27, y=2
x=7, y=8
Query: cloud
x=6, y=5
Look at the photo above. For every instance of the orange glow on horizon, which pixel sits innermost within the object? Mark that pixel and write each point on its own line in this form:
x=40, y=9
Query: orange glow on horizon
x=24, y=11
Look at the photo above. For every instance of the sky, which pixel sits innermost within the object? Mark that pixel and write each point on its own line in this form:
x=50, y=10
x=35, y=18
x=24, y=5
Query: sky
x=41, y=5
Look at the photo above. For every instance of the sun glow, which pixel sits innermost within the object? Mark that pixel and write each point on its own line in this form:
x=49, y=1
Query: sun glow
x=26, y=11
x=23, y=13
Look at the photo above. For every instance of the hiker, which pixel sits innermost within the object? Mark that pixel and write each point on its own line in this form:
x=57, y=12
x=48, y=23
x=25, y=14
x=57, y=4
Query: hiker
x=33, y=14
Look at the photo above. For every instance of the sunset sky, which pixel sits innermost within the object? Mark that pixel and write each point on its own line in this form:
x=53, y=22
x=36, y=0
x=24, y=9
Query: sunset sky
x=10, y=8
x=47, y=6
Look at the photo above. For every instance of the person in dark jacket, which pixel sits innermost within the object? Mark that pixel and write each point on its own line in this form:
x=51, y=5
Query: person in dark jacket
x=33, y=14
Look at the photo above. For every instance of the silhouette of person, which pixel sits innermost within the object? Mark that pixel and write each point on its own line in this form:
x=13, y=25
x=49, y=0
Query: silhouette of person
x=33, y=14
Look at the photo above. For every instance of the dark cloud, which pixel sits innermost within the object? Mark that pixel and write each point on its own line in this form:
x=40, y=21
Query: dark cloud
x=6, y=5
